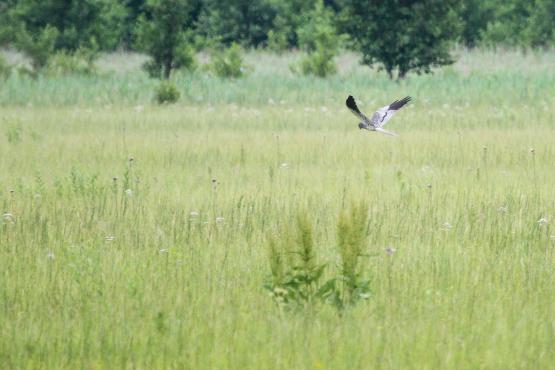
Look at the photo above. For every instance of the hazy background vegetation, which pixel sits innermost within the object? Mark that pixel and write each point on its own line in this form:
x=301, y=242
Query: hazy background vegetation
x=397, y=36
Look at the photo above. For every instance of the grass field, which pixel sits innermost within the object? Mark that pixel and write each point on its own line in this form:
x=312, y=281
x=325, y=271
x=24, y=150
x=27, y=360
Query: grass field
x=119, y=250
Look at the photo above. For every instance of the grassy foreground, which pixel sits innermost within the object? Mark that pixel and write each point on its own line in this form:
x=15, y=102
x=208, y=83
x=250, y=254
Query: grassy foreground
x=118, y=249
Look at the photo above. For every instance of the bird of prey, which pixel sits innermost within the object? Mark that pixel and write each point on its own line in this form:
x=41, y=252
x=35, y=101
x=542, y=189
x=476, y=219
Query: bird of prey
x=380, y=118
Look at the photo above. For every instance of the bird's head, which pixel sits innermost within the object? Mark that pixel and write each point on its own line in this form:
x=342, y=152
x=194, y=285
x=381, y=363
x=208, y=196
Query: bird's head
x=361, y=126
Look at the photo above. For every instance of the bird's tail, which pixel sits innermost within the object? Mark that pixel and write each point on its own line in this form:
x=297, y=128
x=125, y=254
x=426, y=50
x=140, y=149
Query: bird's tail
x=379, y=129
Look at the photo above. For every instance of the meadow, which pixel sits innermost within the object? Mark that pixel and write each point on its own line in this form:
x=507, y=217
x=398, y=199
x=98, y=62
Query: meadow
x=136, y=236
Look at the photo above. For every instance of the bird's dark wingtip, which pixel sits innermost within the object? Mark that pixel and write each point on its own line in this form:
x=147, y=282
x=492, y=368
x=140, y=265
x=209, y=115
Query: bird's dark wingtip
x=351, y=104
x=398, y=104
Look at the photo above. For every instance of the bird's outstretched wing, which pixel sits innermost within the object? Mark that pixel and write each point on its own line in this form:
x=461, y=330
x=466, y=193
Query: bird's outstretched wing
x=384, y=114
x=352, y=105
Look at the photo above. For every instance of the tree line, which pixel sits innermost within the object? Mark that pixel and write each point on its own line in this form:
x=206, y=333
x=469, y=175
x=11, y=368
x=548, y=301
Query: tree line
x=397, y=35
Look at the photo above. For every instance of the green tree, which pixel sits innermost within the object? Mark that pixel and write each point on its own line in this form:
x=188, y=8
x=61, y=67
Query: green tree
x=78, y=22
x=318, y=37
x=163, y=33
x=133, y=10
x=540, y=28
x=403, y=36
x=242, y=21
x=38, y=46
x=508, y=22
x=291, y=16
x=6, y=22
x=476, y=15
x=521, y=23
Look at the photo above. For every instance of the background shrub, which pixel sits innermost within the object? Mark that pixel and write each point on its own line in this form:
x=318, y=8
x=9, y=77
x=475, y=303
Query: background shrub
x=64, y=63
x=166, y=93
x=38, y=46
x=5, y=68
x=319, y=39
x=228, y=63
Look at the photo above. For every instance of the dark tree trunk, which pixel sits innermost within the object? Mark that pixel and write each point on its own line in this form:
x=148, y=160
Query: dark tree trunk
x=168, y=67
x=390, y=73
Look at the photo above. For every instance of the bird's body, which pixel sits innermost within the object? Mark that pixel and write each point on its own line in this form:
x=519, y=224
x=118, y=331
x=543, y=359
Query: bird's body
x=379, y=118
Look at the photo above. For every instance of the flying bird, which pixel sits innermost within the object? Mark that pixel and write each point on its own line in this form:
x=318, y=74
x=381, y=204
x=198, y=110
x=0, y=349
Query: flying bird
x=380, y=117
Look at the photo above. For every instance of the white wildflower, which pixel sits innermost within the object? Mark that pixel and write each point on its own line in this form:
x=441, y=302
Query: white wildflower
x=194, y=214
x=446, y=226
x=110, y=238
x=503, y=209
x=542, y=221
x=284, y=165
x=8, y=217
x=219, y=220
x=165, y=250
x=50, y=255
x=128, y=192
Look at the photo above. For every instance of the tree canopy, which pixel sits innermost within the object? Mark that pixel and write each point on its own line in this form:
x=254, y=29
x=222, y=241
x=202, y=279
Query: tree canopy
x=398, y=35
x=162, y=33
x=395, y=35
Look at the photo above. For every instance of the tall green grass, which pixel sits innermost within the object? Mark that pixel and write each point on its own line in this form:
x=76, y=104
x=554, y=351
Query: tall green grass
x=136, y=237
